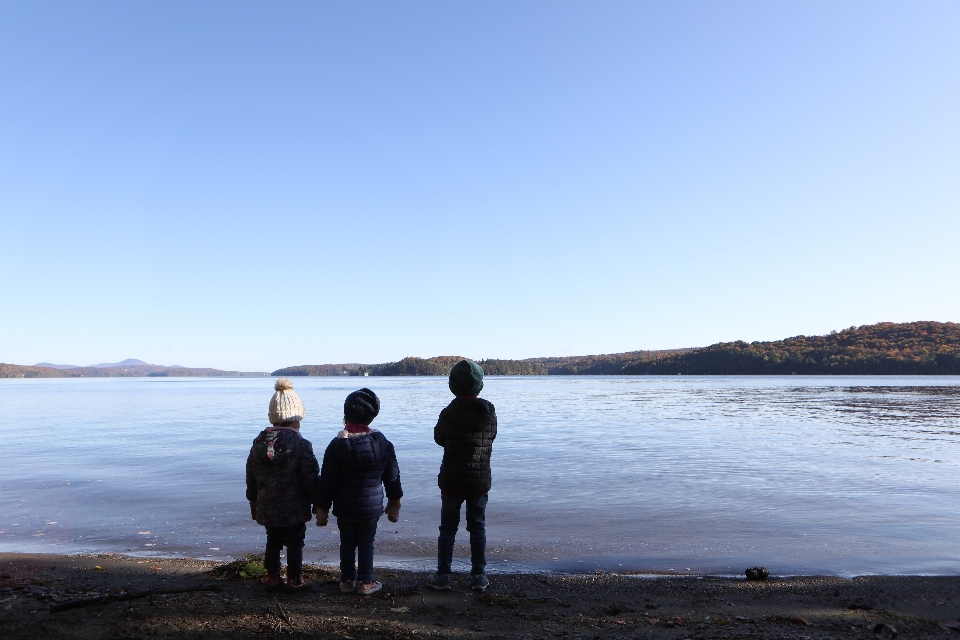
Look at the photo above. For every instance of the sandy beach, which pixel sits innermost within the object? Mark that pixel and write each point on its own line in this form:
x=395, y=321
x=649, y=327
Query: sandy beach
x=516, y=606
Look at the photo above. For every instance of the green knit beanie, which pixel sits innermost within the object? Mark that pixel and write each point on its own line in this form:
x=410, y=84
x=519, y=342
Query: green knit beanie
x=466, y=378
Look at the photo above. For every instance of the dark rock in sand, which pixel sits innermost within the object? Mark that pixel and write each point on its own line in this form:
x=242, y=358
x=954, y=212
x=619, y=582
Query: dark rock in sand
x=757, y=573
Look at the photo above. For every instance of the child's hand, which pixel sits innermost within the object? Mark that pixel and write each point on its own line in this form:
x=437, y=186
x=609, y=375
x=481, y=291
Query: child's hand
x=393, y=510
x=322, y=517
x=253, y=510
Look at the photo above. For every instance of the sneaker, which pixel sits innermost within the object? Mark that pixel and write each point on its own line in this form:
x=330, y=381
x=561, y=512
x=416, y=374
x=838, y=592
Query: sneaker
x=348, y=586
x=479, y=582
x=366, y=588
x=440, y=581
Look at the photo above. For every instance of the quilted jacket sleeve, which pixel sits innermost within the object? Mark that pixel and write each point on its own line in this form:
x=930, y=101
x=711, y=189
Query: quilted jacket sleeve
x=391, y=475
x=251, y=479
x=329, y=480
x=440, y=431
x=308, y=470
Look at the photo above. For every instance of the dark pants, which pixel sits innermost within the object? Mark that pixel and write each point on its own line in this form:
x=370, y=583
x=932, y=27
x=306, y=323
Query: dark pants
x=292, y=539
x=476, y=525
x=356, y=543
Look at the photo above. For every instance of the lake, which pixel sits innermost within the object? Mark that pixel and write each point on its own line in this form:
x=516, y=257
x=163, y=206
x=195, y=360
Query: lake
x=704, y=475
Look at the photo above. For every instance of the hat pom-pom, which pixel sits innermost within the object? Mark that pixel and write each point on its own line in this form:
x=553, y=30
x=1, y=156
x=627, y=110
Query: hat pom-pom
x=283, y=384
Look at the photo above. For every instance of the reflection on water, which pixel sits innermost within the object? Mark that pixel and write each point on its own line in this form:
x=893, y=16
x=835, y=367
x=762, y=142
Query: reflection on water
x=684, y=474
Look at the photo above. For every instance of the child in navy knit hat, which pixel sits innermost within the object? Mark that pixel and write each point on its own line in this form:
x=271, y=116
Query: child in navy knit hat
x=357, y=465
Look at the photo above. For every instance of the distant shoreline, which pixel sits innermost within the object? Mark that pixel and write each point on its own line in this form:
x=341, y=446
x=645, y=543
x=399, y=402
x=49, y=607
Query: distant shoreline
x=493, y=376
x=887, y=348
x=913, y=348
x=147, y=371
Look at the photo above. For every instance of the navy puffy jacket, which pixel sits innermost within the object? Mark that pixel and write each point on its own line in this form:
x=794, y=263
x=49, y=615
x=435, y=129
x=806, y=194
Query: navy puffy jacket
x=356, y=468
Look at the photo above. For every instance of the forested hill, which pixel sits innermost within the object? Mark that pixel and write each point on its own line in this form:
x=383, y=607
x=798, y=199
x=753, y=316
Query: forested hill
x=879, y=349
x=612, y=364
x=885, y=348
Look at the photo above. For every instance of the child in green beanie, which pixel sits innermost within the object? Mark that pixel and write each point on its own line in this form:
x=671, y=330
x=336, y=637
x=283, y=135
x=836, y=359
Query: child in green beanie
x=466, y=430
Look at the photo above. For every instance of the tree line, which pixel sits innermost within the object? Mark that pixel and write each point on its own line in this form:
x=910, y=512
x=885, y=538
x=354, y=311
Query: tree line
x=887, y=348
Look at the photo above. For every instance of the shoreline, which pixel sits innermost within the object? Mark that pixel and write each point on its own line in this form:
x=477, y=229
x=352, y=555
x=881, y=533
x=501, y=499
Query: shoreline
x=518, y=605
x=528, y=561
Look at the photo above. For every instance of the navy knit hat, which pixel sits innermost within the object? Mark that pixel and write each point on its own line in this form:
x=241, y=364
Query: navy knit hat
x=361, y=406
x=466, y=378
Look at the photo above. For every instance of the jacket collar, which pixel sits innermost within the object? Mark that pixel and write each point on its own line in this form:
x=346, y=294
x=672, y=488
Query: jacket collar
x=282, y=428
x=354, y=430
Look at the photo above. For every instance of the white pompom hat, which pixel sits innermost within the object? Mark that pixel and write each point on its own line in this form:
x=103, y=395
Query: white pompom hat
x=285, y=405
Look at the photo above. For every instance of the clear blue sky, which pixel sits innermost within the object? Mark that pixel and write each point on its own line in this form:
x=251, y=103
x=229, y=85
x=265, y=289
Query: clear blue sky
x=256, y=185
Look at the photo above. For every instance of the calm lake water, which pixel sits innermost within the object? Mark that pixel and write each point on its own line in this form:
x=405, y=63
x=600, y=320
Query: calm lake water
x=808, y=475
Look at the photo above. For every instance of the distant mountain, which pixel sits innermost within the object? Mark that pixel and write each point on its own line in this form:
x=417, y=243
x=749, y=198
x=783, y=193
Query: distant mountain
x=887, y=348
x=129, y=362
x=129, y=368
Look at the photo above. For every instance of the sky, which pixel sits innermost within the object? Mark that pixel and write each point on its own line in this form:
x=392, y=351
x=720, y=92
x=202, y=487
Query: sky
x=253, y=185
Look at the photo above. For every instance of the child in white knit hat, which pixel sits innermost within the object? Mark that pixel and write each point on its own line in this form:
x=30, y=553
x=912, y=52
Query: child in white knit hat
x=282, y=475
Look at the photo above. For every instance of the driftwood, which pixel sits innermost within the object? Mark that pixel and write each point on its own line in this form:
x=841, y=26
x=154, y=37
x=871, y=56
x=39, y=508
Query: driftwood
x=283, y=614
x=120, y=597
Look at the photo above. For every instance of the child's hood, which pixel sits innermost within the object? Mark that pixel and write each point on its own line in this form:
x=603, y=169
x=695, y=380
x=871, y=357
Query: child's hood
x=470, y=414
x=362, y=450
x=276, y=446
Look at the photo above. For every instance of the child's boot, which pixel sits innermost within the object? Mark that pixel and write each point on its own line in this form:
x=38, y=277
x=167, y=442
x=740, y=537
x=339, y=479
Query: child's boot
x=274, y=581
x=296, y=582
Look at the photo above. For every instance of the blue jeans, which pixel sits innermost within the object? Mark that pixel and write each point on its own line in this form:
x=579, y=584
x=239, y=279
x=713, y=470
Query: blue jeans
x=476, y=525
x=292, y=539
x=356, y=543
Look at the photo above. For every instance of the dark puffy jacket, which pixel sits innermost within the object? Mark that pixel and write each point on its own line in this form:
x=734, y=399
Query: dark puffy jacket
x=281, y=477
x=356, y=468
x=465, y=430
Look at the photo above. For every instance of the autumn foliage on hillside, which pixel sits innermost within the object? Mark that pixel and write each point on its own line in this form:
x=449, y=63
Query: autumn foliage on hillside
x=439, y=366
x=21, y=371
x=602, y=365
x=879, y=349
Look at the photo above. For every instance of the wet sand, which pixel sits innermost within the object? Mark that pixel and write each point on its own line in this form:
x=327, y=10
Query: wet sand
x=528, y=606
